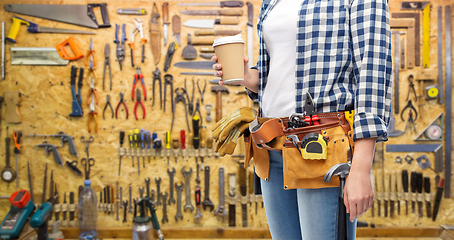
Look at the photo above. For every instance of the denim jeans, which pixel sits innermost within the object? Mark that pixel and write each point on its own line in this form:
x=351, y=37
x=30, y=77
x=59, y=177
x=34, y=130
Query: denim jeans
x=309, y=214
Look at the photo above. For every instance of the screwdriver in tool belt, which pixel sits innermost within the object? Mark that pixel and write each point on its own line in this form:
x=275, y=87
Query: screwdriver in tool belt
x=122, y=138
x=168, y=141
x=137, y=147
x=142, y=142
x=148, y=139
x=131, y=145
x=17, y=136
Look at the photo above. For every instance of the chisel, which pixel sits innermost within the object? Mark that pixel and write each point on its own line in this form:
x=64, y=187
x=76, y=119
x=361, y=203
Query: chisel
x=420, y=195
x=413, y=184
x=122, y=137
x=428, y=196
x=379, y=181
x=405, y=187
x=400, y=194
x=393, y=195
x=387, y=190
x=438, y=196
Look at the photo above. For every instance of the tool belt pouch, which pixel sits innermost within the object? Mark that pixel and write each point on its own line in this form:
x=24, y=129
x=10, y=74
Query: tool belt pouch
x=308, y=171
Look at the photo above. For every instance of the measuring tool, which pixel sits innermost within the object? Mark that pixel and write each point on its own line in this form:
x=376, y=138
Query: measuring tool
x=448, y=128
x=396, y=71
x=17, y=136
x=8, y=173
x=3, y=50
x=440, y=54
x=21, y=208
x=437, y=149
x=433, y=132
x=313, y=146
x=131, y=11
x=417, y=39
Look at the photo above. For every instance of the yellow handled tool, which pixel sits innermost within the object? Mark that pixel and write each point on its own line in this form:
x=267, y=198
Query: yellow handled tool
x=349, y=117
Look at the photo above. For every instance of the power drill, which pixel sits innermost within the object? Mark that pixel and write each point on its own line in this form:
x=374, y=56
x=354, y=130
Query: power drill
x=21, y=208
x=40, y=219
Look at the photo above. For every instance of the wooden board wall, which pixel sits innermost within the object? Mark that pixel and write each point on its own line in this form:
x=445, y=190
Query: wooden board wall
x=46, y=103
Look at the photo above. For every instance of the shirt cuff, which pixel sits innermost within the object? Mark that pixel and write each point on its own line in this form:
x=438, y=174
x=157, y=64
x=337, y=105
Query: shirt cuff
x=368, y=125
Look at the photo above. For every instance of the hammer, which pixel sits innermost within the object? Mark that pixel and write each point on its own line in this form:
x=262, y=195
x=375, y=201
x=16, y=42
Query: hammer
x=218, y=90
x=341, y=170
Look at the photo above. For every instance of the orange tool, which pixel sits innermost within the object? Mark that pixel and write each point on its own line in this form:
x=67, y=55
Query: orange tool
x=90, y=53
x=92, y=92
x=74, y=47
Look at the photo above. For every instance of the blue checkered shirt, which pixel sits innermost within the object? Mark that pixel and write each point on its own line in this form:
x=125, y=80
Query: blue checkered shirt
x=343, y=57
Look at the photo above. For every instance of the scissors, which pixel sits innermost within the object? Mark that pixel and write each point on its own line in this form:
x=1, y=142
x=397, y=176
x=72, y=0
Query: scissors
x=87, y=143
x=87, y=165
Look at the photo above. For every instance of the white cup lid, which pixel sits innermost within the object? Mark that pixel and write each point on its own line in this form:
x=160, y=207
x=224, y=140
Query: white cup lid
x=230, y=39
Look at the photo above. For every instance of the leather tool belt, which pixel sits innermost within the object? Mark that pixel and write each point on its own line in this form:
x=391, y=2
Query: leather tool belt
x=271, y=134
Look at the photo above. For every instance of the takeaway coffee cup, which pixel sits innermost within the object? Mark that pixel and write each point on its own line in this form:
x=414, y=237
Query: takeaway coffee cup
x=230, y=53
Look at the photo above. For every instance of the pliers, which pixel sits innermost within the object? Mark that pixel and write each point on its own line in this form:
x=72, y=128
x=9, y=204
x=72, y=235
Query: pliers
x=120, y=44
x=122, y=102
x=138, y=101
x=91, y=71
x=168, y=80
x=180, y=98
x=157, y=77
x=411, y=107
x=190, y=101
x=197, y=110
x=137, y=29
x=107, y=63
x=92, y=92
x=105, y=107
x=90, y=53
x=92, y=115
x=138, y=76
x=311, y=117
x=200, y=91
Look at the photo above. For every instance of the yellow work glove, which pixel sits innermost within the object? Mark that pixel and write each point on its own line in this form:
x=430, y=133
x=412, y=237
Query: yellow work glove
x=228, y=145
x=223, y=127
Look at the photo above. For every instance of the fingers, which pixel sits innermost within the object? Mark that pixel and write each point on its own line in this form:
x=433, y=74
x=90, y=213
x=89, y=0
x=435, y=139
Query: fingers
x=214, y=58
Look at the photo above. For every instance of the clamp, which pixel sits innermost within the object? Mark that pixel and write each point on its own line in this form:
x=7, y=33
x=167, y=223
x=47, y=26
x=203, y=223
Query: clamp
x=190, y=101
x=90, y=53
x=180, y=98
x=120, y=44
x=122, y=102
x=138, y=101
x=411, y=108
x=137, y=29
x=138, y=76
x=91, y=70
x=92, y=115
x=200, y=91
x=411, y=88
x=92, y=92
x=168, y=80
x=105, y=107
x=157, y=77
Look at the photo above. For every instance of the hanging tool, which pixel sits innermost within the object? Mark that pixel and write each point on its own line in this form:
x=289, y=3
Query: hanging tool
x=137, y=29
x=175, y=146
x=42, y=56
x=222, y=12
x=157, y=77
x=122, y=137
x=157, y=144
x=170, y=52
x=201, y=91
x=77, y=52
x=120, y=44
x=131, y=145
x=131, y=11
x=411, y=88
x=433, y=131
x=413, y=186
x=216, y=32
x=189, y=51
x=179, y=98
x=428, y=196
x=91, y=71
x=22, y=207
x=88, y=163
x=30, y=183
x=448, y=107
x=92, y=115
x=410, y=122
x=168, y=142
x=8, y=173
x=92, y=93
x=197, y=110
x=396, y=70
x=165, y=22
x=17, y=136
x=139, y=101
x=105, y=107
x=73, y=166
x=214, y=4
x=50, y=147
x=219, y=90
x=91, y=139
x=210, y=23
x=35, y=28
x=190, y=101
x=155, y=34
x=90, y=54
x=51, y=187
x=138, y=76
x=44, y=185
x=106, y=63
x=148, y=140
x=77, y=110
x=64, y=138
x=196, y=135
x=393, y=194
x=176, y=28
x=142, y=144
x=410, y=107
x=438, y=197
x=82, y=15
x=168, y=80
x=3, y=50
x=137, y=147
x=121, y=102
x=203, y=150
x=183, y=144
x=195, y=64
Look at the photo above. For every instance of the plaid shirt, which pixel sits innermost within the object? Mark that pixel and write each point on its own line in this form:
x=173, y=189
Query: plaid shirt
x=343, y=57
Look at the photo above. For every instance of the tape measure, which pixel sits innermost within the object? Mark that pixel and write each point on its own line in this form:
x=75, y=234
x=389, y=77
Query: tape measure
x=314, y=146
x=432, y=92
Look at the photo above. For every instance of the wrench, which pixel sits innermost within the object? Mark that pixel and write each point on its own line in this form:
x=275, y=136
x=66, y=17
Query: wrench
x=141, y=190
x=164, y=208
x=220, y=211
x=207, y=202
x=171, y=176
x=130, y=199
x=147, y=182
x=121, y=197
x=187, y=175
x=179, y=189
x=117, y=210
x=198, y=214
x=197, y=178
x=158, y=183
x=125, y=206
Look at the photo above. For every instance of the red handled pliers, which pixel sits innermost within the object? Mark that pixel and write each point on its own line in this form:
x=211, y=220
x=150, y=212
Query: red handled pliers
x=310, y=111
x=136, y=79
x=122, y=102
x=138, y=100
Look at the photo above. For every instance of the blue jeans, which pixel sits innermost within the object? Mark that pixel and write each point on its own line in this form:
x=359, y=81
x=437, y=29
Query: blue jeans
x=309, y=214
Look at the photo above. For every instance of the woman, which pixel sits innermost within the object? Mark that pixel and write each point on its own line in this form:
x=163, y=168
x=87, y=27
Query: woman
x=339, y=51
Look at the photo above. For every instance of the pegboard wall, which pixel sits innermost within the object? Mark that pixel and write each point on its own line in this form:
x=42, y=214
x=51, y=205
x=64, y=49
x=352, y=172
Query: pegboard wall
x=46, y=104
